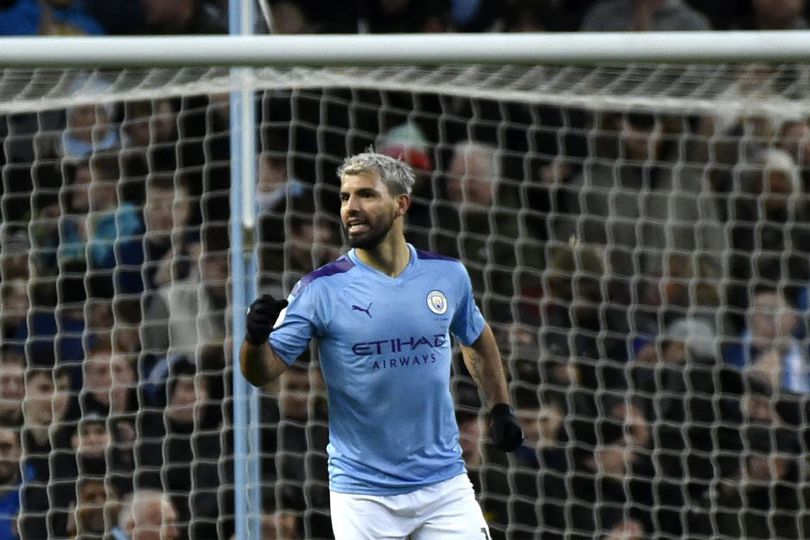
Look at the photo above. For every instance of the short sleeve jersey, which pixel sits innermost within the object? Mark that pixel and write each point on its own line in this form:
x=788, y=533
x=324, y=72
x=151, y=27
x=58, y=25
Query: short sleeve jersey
x=385, y=353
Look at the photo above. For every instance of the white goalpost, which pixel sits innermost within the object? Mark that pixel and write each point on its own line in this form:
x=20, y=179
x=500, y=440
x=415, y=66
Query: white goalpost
x=630, y=208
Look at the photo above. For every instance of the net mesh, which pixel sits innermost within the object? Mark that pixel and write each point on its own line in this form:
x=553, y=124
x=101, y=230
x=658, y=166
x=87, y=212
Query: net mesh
x=636, y=236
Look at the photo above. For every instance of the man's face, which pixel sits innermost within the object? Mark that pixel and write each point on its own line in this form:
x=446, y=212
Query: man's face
x=187, y=400
x=90, y=508
x=39, y=393
x=156, y=520
x=9, y=455
x=12, y=389
x=796, y=141
x=61, y=396
x=97, y=377
x=92, y=440
x=166, y=209
x=771, y=317
x=641, y=143
x=471, y=180
x=367, y=210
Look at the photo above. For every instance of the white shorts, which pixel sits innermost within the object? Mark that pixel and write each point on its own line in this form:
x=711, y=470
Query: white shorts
x=447, y=510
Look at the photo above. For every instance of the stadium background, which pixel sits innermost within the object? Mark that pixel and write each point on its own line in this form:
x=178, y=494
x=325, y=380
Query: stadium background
x=645, y=273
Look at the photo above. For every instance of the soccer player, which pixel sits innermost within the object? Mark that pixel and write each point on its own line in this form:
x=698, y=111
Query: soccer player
x=383, y=314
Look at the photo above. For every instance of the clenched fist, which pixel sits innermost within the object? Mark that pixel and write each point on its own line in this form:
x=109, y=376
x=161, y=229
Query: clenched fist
x=504, y=428
x=261, y=316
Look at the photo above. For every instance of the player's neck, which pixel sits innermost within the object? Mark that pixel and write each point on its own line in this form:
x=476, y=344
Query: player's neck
x=391, y=256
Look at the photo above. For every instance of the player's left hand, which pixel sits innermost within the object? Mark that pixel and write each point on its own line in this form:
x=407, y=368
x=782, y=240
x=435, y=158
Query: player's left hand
x=504, y=428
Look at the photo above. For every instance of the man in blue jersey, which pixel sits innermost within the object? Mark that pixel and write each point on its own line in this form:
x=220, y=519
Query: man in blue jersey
x=383, y=314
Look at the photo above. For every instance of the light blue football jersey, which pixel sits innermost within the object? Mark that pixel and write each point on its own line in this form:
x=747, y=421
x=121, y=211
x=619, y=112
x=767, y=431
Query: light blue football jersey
x=385, y=352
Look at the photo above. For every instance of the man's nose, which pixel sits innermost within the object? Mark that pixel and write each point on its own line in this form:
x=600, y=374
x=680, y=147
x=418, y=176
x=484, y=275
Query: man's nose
x=352, y=203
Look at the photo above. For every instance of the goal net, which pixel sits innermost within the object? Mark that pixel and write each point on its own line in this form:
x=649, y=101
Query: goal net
x=636, y=234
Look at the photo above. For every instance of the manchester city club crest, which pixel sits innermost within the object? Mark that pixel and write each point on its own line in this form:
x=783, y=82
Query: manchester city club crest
x=437, y=302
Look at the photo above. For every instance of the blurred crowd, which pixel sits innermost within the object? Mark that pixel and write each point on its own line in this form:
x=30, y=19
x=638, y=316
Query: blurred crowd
x=159, y=17
x=646, y=274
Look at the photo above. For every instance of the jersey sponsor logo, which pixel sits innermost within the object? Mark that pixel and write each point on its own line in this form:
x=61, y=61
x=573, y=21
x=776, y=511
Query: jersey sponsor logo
x=402, y=352
x=437, y=302
x=397, y=345
x=366, y=310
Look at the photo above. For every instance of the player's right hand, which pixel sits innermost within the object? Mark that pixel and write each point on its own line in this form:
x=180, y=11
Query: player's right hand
x=261, y=316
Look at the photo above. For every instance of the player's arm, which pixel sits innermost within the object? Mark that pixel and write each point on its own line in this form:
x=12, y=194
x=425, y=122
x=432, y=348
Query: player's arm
x=483, y=361
x=259, y=362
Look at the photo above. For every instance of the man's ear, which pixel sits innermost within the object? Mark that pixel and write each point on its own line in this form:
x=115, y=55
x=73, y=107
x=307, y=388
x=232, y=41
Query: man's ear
x=403, y=204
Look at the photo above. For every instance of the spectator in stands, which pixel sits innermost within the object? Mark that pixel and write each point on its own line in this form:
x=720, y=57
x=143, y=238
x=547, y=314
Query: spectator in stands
x=148, y=140
x=15, y=304
x=45, y=407
x=767, y=240
x=768, y=345
x=296, y=443
x=599, y=499
x=163, y=253
x=686, y=385
x=14, y=255
x=766, y=498
x=56, y=332
x=97, y=222
x=774, y=15
x=283, y=201
x=49, y=409
x=95, y=509
x=49, y=17
x=637, y=203
x=191, y=312
x=476, y=220
x=12, y=387
x=147, y=515
x=110, y=390
x=408, y=143
x=794, y=138
x=183, y=17
x=179, y=447
x=313, y=243
x=579, y=326
x=95, y=454
x=89, y=127
x=11, y=477
x=688, y=285
x=643, y=16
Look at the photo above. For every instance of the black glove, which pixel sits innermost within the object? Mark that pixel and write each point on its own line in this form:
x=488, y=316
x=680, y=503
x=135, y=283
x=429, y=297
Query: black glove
x=504, y=428
x=261, y=316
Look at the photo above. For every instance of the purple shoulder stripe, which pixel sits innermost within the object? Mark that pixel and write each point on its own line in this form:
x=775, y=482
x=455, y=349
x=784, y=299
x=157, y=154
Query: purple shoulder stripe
x=338, y=266
x=428, y=255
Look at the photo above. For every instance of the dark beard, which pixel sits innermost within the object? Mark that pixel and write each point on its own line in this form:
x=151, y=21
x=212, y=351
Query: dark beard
x=367, y=242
